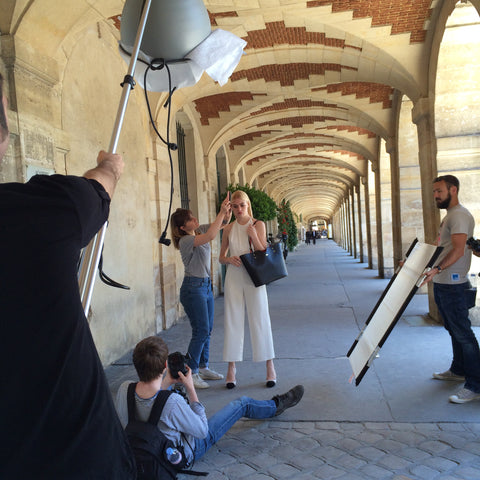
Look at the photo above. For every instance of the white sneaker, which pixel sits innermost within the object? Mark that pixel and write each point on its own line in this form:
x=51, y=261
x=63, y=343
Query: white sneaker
x=464, y=395
x=198, y=382
x=207, y=374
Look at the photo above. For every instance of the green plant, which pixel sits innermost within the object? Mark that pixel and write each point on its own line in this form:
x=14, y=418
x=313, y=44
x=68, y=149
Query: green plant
x=263, y=207
x=287, y=224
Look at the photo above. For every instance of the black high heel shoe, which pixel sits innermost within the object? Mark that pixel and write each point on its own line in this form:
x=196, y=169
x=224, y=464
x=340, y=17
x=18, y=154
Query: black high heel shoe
x=233, y=384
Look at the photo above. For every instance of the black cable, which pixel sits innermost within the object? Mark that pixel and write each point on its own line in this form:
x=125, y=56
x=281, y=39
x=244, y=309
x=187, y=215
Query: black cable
x=170, y=146
x=158, y=64
x=106, y=279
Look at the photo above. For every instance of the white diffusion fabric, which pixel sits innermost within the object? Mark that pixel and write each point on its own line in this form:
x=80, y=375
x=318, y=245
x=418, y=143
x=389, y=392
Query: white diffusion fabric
x=391, y=307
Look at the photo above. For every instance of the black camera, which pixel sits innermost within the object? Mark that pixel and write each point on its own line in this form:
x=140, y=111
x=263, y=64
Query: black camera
x=176, y=362
x=474, y=244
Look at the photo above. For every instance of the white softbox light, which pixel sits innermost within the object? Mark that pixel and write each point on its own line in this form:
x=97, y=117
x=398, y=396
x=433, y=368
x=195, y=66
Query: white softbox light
x=179, y=32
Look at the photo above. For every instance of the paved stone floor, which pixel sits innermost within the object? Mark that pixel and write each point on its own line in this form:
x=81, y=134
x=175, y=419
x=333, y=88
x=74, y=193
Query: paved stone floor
x=397, y=424
x=349, y=450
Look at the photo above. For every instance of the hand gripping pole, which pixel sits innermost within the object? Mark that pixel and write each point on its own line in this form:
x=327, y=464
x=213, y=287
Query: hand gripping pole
x=92, y=252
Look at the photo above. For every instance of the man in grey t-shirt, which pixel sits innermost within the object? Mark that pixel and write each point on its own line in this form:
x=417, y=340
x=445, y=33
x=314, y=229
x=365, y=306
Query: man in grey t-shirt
x=450, y=282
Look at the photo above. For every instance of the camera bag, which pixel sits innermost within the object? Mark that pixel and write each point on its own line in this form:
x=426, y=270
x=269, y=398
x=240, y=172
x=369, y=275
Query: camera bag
x=149, y=444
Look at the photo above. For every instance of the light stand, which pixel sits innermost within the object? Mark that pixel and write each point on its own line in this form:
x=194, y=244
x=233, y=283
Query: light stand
x=178, y=33
x=92, y=252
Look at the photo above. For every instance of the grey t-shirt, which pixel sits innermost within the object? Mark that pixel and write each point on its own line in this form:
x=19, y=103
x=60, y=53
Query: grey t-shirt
x=180, y=422
x=457, y=220
x=195, y=259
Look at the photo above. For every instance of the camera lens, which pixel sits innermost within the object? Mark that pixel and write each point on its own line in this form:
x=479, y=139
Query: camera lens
x=176, y=363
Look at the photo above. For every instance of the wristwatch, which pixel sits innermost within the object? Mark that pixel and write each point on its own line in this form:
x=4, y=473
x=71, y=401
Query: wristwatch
x=439, y=268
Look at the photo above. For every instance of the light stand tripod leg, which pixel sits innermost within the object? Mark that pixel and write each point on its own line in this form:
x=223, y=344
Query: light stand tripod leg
x=91, y=254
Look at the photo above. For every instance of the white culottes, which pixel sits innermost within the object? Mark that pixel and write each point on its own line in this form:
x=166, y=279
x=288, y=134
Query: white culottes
x=240, y=295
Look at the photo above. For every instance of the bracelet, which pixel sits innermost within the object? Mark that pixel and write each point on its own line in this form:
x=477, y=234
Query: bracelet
x=439, y=268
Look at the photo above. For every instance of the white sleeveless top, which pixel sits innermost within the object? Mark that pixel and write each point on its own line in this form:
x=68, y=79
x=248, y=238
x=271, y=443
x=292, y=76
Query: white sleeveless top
x=238, y=239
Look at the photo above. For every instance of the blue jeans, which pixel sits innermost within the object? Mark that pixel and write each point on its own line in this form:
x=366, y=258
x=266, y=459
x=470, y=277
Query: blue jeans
x=220, y=423
x=196, y=297
x=451, y=303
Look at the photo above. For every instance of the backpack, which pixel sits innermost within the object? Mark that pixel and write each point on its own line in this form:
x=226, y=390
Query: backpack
x=148, y=443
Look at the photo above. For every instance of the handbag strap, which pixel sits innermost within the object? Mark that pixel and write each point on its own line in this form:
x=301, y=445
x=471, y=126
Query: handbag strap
x=249, y=241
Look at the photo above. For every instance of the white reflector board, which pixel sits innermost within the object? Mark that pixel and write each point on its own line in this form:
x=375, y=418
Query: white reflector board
x=390, y=307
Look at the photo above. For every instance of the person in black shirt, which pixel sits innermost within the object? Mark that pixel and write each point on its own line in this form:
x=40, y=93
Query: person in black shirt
x=57, y=417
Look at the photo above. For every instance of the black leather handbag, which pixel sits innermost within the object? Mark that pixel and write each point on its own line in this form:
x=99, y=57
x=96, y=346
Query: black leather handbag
x=265, y=266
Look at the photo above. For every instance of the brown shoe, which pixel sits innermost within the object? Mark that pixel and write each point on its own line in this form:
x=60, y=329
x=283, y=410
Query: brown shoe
x=449, y=376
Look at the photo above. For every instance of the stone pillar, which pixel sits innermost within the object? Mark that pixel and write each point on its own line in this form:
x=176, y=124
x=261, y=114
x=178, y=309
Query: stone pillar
x=410, y=181
x=368, y=223
x=378, y=211
x=354, y=226
x=349, y=223
x=360, y=227
x=421, y=117
x=427, y=146
x=391, y=147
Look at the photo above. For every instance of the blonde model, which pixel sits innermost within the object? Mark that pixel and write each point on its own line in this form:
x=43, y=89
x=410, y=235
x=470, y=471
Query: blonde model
x=241, y=294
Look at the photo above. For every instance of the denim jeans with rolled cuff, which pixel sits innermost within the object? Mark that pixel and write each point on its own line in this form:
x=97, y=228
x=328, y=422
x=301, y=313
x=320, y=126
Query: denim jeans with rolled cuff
x=220, y=423
x=451, y=303
x=196, y=297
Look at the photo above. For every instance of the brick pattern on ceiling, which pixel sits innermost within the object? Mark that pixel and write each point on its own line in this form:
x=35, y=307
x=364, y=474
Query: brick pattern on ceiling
x=211, y=106
x=286, y=74
x=350, y=154
x=297, y=136
x=350, y=129
x=259, y=158
x=240, y=141
x=116, y=19
x=276, y=33
x=403, y=15
x=295, y=103
x=298, y=122
x=319, y=159
x=377, y=92
x=214, y=16
x=307, y=146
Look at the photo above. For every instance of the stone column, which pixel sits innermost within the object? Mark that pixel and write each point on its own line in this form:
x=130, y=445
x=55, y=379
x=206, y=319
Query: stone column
x=344, y=234
x=349, y=223
x=360, y=228
x=368, y=224
x=422, y=114
x=427, y=151
x=378, y=210
x=391, y=147
x=354, y=226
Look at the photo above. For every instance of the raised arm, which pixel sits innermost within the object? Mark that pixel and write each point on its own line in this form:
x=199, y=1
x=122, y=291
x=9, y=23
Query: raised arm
x=220, y=222
x=108, y=171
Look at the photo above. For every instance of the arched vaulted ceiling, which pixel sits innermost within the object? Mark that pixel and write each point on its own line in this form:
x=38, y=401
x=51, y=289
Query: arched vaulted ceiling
x=305, y=110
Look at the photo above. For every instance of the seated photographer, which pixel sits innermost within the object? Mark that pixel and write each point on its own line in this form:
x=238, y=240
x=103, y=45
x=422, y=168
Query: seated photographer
x=185, y=423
